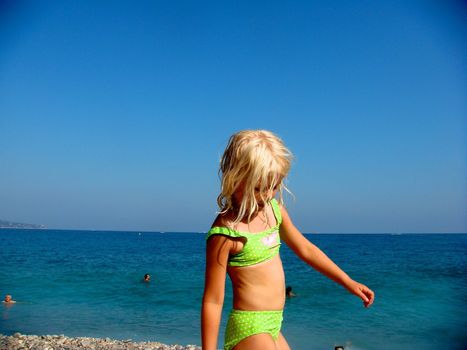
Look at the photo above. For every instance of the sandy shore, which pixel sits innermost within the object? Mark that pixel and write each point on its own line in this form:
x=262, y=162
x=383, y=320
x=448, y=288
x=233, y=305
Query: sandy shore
x=54, y=342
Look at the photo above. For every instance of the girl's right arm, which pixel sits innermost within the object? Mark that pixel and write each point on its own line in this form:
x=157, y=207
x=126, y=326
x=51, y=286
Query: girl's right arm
x=313, y=256
x=217, y=253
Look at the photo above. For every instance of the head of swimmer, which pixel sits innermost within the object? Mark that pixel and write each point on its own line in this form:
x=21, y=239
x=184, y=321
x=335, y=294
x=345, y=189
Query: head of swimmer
x=252, y=170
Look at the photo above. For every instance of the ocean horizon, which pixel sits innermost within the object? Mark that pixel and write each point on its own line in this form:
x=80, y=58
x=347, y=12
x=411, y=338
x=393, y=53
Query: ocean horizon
x=205, y=231
x=89, y=283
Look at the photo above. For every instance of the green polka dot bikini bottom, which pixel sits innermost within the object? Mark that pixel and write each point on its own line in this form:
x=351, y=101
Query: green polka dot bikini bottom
x=242, y=324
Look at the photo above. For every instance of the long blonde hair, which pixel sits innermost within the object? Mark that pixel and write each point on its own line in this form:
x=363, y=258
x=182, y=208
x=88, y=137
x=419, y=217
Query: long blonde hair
x=253, y=159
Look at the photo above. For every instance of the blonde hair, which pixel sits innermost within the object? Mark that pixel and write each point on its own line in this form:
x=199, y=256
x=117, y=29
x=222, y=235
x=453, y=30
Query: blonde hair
x=253, y=159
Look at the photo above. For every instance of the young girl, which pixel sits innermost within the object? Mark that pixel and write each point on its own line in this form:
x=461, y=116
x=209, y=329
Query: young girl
x=244, y=242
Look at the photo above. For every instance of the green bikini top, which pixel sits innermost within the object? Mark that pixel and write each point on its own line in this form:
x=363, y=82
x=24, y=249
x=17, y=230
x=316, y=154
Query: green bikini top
x=259, y=246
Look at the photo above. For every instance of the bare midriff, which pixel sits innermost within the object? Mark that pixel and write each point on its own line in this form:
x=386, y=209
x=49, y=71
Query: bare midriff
x=258, y=287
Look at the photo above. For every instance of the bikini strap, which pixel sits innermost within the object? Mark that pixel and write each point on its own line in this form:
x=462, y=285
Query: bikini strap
x=277, y=211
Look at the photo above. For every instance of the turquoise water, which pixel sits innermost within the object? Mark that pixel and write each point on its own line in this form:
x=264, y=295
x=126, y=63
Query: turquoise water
x=84, y=283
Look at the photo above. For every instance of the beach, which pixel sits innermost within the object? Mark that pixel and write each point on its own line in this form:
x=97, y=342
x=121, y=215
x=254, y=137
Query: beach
x=52, y=342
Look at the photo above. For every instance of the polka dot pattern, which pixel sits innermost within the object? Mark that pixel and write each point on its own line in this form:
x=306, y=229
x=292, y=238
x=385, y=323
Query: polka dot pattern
x=242, y=324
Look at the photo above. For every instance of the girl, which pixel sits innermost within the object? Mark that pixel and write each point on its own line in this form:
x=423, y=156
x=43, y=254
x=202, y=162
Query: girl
x=244, y=242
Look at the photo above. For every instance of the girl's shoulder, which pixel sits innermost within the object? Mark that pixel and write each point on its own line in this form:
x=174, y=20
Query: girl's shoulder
x=220, y=226
x=221, y=220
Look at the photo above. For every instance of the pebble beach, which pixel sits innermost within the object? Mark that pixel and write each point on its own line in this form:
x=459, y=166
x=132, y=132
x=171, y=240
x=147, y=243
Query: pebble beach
x=19, y=341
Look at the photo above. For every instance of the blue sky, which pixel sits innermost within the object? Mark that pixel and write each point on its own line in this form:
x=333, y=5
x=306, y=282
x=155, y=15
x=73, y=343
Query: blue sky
x=113, y=115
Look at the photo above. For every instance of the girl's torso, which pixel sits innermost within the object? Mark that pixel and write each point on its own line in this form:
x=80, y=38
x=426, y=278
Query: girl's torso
x=260, y=286
x=254, y=265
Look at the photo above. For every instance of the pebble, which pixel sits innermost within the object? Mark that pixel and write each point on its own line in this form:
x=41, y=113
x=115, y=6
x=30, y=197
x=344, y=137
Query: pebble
x=19, y=341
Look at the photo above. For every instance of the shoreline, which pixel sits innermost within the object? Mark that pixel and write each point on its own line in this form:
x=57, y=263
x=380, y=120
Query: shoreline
x=51, y=342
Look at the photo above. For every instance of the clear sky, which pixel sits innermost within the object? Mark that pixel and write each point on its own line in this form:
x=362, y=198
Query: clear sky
x=114, y=114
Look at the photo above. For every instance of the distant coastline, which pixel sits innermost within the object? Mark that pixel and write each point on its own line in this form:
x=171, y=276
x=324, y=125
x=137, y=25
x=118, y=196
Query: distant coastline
x=9, y=224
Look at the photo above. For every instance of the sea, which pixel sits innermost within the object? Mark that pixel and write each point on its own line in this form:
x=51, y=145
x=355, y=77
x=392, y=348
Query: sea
x=89, y=284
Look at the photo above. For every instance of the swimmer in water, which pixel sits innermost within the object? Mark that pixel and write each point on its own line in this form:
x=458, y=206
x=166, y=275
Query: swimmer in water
x=8, y=300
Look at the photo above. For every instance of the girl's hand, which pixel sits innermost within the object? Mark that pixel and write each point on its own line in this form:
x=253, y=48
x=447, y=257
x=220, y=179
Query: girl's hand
x=361, y=291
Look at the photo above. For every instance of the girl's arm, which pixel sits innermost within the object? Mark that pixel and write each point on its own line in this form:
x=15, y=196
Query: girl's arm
x=314, y=257
x=217, y=253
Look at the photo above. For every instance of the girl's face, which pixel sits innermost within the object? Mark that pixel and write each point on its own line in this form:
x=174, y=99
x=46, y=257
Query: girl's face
x=268, y=194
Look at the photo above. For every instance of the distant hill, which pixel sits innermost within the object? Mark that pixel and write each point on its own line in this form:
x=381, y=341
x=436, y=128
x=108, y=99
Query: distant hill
x=9, y=224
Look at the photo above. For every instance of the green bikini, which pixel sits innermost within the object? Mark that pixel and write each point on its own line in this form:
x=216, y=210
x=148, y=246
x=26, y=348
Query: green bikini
x=258, y=247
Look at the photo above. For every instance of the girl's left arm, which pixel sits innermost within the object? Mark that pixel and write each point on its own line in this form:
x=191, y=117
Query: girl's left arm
x=314, y=257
